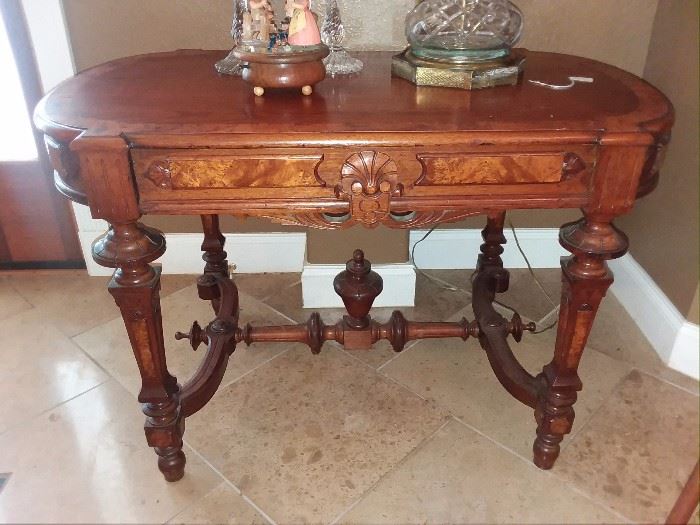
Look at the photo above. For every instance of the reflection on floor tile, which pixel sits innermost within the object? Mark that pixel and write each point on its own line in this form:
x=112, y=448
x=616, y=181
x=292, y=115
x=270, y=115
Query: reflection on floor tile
x=458, y=376
x=461, y=477
x=638, y=451
x=90, y=303
x=109, y=344
x=41, y=368
x=222, y=506
x=87, y=461
x=304, y=436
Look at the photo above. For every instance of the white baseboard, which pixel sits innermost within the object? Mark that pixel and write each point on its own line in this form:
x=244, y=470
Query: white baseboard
x=443, y=250
x=684, y=356
x=317, y=285
x=674, y=338
x=248, y=252
x=458, y=249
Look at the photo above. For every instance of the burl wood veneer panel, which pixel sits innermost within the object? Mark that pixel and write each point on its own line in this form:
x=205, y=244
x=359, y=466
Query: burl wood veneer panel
x=491, y=169
x=236, y=171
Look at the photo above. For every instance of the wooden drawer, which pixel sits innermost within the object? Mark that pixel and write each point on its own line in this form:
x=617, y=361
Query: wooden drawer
x=333, y=175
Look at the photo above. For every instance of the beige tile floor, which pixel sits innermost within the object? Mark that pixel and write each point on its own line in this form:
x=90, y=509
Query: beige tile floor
x=425, y=436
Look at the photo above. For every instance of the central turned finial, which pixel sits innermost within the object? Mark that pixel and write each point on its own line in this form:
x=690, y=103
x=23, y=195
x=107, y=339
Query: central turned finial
x=358, y=286
x=358, y=266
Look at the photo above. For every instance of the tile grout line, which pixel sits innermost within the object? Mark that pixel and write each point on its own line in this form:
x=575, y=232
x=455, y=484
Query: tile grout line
x=256, y=367
x=264, y=299
x=575, y=488
x=408, y=455
x=11, y=316
x=531, y=465
x=398, y=354
x=19, y=292
x=54, y=407
x=92, y=359
x=381, y=374
x=571, y=436
x=496, y=442
x=666, y=381
x=89, y=329
x=118, y=317
x=230, y=483
x=552, y=313
x=649, y=373
x=457, y=287
x=342, y=350
x=189, y=505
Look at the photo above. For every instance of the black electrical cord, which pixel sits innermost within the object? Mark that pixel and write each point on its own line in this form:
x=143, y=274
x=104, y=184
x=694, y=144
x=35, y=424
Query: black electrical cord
x=503, y=305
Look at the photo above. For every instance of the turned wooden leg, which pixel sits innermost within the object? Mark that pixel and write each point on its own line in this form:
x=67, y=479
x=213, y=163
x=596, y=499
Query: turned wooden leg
x=585, y=280
x=492, y=249
x=213, y=246
x=215, y=258
x=135, y=286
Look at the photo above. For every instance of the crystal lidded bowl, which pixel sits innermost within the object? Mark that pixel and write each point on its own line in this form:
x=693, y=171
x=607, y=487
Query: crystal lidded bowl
x=463, y=30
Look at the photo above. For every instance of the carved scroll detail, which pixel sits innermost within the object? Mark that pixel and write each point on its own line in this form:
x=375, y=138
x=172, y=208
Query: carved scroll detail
x=160, y=174
x=323, y=221
x=369, y=180
x=573, y=165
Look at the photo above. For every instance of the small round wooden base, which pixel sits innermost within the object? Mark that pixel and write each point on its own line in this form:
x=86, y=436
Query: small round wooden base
x=298, y=69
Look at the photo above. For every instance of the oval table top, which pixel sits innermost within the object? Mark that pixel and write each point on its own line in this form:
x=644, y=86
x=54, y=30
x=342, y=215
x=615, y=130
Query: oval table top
x=148, y=97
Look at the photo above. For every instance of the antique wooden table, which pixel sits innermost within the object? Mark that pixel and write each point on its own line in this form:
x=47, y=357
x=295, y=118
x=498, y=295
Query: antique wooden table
x=164, y=134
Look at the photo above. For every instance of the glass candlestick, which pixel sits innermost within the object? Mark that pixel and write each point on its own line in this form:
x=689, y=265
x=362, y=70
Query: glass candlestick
x=231, y=65
x=338, y=62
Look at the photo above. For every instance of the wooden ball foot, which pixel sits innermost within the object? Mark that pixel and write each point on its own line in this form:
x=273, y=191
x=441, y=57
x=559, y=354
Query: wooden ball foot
x=171, y=462
x=307, y=90
x=546, y=451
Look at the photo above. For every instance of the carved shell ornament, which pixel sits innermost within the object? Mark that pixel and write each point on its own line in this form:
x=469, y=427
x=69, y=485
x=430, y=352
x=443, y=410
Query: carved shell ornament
x=369, y=179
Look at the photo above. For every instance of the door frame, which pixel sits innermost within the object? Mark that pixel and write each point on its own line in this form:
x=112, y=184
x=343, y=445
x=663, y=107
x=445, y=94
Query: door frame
x=20, y=32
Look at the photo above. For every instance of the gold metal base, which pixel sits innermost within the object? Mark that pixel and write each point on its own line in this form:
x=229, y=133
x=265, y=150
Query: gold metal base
x=477, y=75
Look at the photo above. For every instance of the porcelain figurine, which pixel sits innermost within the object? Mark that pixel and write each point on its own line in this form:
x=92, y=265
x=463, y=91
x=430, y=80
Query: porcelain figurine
x=303, y=29
x=263, y=17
